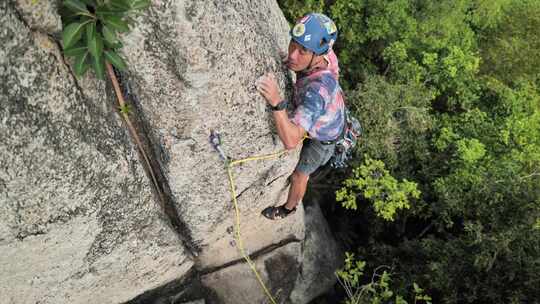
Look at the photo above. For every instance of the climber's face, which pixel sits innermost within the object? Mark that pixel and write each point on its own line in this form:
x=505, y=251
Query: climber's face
x=299, y=57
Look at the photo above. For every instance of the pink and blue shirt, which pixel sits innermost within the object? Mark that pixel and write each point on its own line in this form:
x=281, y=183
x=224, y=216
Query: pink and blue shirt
x=320, y=108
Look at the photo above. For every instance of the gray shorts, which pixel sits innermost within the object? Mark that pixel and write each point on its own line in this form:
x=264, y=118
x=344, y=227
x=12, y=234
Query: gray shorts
x=314, y=155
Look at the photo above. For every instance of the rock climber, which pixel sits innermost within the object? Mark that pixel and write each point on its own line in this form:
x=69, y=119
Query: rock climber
x=319, y=109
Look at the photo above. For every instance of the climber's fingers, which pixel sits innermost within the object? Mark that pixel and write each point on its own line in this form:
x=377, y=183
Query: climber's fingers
x=263, y=87
x=265, y=92
x=270, y=81
x=266, y=84
x=268, y=87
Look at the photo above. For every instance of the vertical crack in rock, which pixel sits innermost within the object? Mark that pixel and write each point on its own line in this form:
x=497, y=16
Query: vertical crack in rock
x=52, y=38
x=168, y=204
x=18, y=14
x=163, y=187
x=68, y=68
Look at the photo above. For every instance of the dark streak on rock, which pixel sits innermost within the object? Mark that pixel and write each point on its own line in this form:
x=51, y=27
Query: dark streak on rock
x=68, y=68
x=252, y=256
x=18, y=14
x=144, y=130
x=187, y=289
x=275, y=179
x=283, y=274
x=257, y=182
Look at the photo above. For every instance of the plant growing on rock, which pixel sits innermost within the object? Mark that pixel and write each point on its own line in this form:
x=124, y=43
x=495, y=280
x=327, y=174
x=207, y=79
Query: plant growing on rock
x=90, y=35
x=91, y=29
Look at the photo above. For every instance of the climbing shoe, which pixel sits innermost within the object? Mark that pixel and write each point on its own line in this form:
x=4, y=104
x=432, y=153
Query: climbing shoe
x=276, y=213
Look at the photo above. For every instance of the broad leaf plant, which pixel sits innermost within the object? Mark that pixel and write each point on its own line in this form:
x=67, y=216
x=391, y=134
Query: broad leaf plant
x=91, y=29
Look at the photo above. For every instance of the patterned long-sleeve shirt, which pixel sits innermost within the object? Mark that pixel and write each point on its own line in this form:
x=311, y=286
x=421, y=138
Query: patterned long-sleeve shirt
x=320, y=108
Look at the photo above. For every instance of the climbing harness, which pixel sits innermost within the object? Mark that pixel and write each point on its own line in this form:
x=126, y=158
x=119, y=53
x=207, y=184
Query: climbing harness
x=215, y=141
x=346, y=141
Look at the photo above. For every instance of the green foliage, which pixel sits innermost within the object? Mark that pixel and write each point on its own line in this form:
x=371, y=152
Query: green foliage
x=125, y=109
x=425, y=42
x=511, y=47
x=448, y=96
x=398, y=119
x=470, y=150
x=115, y=59
x=72, y=33
x=486, y=14
x=377, y=291
x=352, y=271
x=419, y=294
x=377, y=185
x=90, y=32
x=293, y=9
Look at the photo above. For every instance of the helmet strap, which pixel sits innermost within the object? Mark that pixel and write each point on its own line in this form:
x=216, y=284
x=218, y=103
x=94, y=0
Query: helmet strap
x=308, y=68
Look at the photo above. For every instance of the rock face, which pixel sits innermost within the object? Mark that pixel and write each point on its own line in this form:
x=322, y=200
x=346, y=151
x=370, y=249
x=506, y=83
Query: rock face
x=80, y=221
x=278, y=269
x=296, y=273
x=320, y=256
x=193, y=65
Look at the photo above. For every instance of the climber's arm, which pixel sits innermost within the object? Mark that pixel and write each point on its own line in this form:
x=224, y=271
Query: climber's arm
x=289, y=133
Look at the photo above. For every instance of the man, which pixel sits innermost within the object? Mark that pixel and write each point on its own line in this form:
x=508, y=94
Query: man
x=320, y=110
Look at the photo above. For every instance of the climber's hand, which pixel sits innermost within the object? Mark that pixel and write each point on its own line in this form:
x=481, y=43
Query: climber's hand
x=268, y=87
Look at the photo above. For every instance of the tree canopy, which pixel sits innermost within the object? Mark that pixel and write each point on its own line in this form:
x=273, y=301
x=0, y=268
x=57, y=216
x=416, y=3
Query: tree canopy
x=447, y=175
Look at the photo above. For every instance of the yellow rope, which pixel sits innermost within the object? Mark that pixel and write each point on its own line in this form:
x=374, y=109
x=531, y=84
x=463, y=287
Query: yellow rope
x=238, y=235
x=261, y=157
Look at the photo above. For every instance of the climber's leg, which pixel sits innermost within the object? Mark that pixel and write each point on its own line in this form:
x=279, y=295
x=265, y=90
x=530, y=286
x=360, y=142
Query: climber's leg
x=297, y=189
x=313, y=155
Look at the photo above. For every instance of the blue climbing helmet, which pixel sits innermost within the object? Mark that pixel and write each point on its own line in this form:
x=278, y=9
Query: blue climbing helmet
x=315, y=32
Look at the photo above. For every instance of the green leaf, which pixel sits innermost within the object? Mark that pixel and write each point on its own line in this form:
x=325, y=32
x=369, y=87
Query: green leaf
x=76, y=6
x=71, y=34
x=90, y=31
x=75, y=51
x=89, y=2
x=417, y=289
x=116, y=60
x=98, y=65
x=108, y=10
x=120, y=5
x=387, y=294
x=85, y=19
x=125, y=109
x=67, y=15
x=109, y=35
x=116, y=23
x=400, y=300
x=95, y=46
x=114, y=46
x=80, y=64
